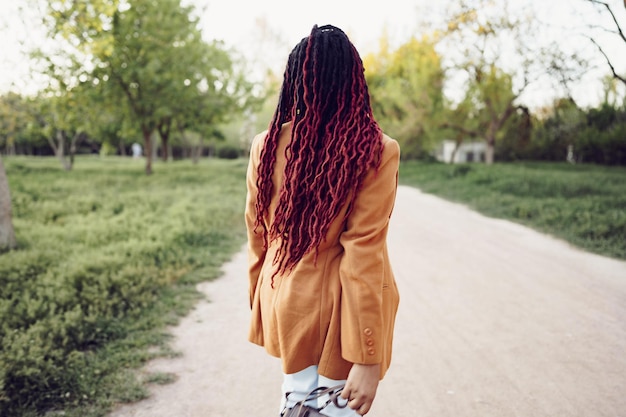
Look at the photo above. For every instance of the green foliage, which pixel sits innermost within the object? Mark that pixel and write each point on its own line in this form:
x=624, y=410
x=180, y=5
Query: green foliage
x=602, y=147
x=603, y=140
x=228, y=151
x=107, y=258
x=583, y=204
x=20, y=130
x=406, y=87
x=596, y=135
x=515, y=139
x=495, y=55
x=138, y=66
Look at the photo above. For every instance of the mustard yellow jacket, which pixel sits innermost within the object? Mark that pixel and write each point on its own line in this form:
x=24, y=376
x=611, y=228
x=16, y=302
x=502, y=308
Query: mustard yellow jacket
x=340, y=310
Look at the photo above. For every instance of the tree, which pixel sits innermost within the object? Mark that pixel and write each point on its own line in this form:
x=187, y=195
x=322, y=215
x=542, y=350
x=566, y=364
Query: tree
x=406, y=87
x=496, y=58
x=20, y=124
x=11, y=120
x=211, y=94
x=491, y=92
x=148, y=61
x=65, y=120
x=461, y=121
x=556, y=132
x=146, y=55
x=516, y=136
x=7, y=235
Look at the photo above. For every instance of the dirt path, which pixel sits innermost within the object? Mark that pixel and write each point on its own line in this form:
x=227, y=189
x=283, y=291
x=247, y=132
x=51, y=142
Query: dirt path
x=495, y=320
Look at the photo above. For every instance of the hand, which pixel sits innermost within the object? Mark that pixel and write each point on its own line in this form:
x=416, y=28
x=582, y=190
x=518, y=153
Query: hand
x=361, y=386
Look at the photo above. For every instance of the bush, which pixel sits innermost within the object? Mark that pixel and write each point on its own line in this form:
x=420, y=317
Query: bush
x=602, y=147
x=228, y=151
x=597, y=135
x=108, y=257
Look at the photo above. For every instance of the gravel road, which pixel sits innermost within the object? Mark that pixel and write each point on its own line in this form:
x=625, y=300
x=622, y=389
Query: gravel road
x=495, y=320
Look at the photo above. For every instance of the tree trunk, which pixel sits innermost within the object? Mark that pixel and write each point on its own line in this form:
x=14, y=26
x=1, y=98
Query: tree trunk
x=7, y=235
x=459, y=142
x=78, y=137
x=58, y=146
x=197, y=151
x=122, y=148
x=147, y=144
x=165, y=147
x=164, y=132
x=489, y=153
x=155, y=147
x=455, y=150
x=490, y=138
x=59, y=150
x=186, y=145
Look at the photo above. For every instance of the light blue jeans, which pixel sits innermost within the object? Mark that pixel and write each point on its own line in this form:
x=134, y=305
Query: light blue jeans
x=305, y=381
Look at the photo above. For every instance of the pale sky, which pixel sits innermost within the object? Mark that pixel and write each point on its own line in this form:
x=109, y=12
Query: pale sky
x=287, y=21
x=235, y=20
x=237, y=23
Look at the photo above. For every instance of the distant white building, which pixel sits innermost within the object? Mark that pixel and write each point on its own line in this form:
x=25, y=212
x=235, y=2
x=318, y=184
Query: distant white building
x=136, y=149
x=467, y=152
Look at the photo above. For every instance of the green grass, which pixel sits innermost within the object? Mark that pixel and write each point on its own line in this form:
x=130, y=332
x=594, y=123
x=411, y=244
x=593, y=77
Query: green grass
x=108, y=257
x=582, y=204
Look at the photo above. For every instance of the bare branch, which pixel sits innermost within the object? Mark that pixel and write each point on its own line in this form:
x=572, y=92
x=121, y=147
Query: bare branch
x=598, y=27
x=608, y=61
x=619, y=29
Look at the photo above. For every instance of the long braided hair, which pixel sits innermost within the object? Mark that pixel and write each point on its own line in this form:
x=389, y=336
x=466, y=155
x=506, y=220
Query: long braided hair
x=335, y=141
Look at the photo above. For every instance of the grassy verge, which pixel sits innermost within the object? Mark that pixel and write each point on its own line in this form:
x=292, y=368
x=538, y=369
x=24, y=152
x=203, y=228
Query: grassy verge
x=108, y=258
x=582, y=204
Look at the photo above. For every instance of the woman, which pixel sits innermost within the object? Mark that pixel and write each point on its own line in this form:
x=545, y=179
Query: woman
x=321, y=188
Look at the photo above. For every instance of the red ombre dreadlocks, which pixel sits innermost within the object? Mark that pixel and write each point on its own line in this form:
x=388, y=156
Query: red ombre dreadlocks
x=335, y=141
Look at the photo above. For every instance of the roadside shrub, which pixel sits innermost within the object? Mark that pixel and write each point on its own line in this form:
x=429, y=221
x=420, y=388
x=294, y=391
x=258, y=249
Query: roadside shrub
x=228, y=151
x=108, y=257
x=596, y=135
x=602, y=147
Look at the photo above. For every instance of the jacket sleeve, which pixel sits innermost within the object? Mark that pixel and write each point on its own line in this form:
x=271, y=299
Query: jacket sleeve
x=256, y=240
x=363, y=266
